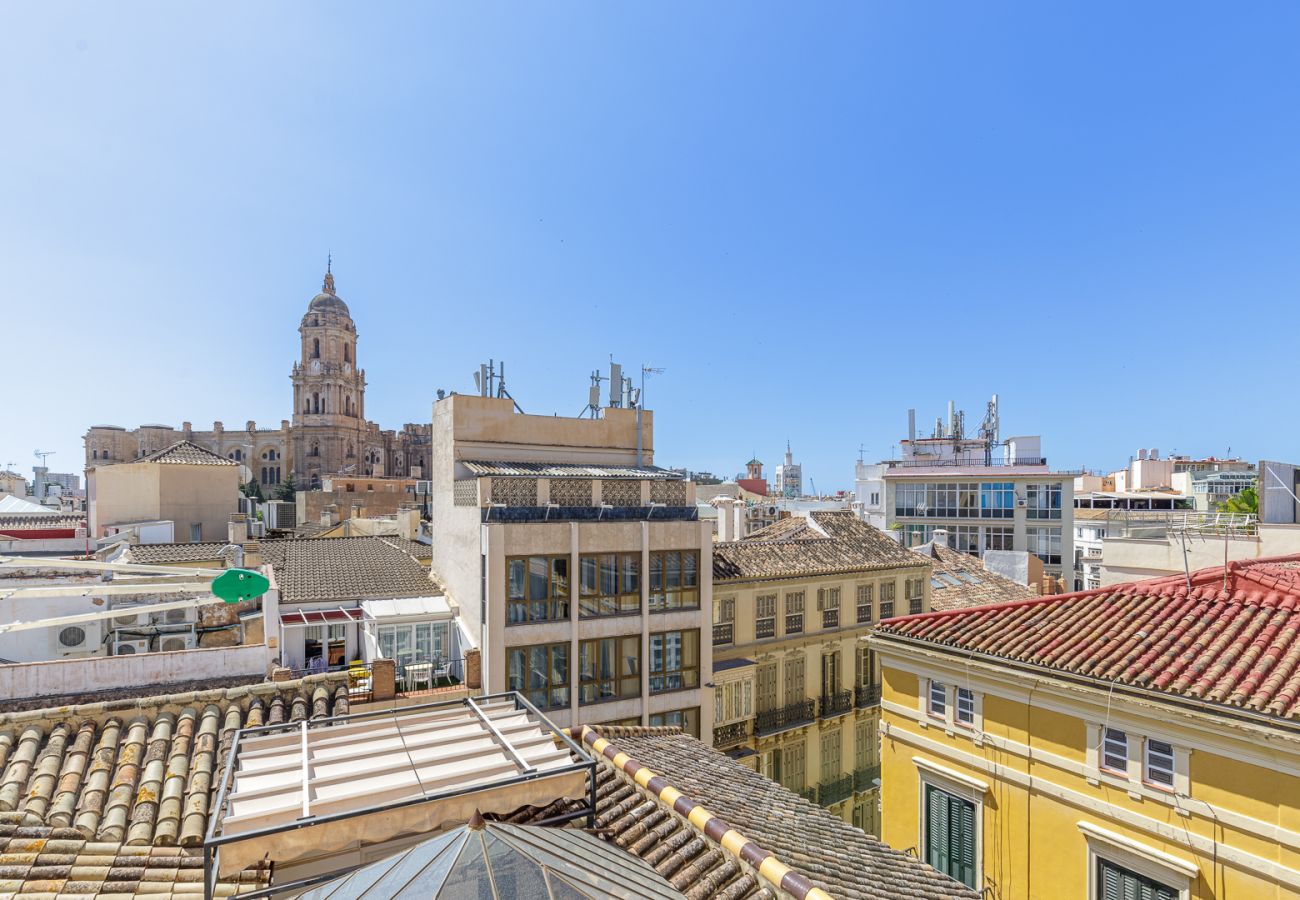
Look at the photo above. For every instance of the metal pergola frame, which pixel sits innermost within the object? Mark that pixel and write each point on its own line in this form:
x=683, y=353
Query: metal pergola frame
x=212, y=841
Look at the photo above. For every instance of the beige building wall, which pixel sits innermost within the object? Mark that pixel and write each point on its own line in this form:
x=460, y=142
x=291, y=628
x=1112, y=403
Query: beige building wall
x=186, y=495
x=1132, y=559
x=828, y=750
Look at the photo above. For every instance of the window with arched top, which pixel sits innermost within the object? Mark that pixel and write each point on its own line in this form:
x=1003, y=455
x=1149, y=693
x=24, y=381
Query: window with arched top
x=347, y=353
x=315, y=402
x=315, y=348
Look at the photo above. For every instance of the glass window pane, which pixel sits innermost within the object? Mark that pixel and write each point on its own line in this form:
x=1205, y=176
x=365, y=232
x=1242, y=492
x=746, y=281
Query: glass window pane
x=516, y=569
x=537, y=578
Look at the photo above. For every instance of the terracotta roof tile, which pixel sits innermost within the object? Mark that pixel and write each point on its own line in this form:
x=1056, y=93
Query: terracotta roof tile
x=125, y=785
x=1233, y=638
x=349, y=568
x=824, y=542
x=975, y=585
x=816, y=851
x=184, y=453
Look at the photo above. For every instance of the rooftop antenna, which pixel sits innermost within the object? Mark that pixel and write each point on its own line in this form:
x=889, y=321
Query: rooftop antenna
x=638, y=399
x=42, y=454
x=989, y=430
x=593, y=396
x=862, y=449
x=490, y=379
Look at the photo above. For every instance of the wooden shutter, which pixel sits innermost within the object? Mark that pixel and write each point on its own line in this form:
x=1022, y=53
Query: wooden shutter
x=936, y=828
x=1117, y=883
x=767, y=688
x=963, y=820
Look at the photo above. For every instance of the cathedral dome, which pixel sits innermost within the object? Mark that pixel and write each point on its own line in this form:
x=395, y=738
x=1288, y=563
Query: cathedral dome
x=327, y=300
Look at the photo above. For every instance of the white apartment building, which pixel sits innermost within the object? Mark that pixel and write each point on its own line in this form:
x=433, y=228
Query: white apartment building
x=582, y=570
x=988, y=494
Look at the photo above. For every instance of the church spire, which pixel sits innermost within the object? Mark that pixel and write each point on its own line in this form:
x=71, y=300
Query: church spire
x=328, y=286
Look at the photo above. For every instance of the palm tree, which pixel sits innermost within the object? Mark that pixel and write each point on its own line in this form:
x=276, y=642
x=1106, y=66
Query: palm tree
x=1245, y=502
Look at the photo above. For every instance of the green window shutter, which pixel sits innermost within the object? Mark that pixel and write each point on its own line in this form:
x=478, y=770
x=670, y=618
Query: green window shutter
x=1117, y=883
x=936, y=828
x=964, y=851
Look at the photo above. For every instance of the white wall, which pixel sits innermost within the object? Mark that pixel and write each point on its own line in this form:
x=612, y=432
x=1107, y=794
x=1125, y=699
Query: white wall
x=103, y=673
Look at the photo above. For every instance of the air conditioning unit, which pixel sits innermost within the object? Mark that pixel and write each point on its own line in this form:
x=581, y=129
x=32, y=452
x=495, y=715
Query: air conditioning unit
x=127, y=648
x=76, y=638
x=1021, y=504
x=172, y=642
x=127, y=621
x=181, y=616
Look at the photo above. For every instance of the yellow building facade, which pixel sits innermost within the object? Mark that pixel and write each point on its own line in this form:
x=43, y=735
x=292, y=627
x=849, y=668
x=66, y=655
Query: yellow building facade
x=796, y=691
x=1091, y=745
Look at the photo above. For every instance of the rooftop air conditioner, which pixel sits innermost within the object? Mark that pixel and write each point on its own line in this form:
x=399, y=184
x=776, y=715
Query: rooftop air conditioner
x=1021, y=504
x=128, y=648
x=173, y=642
x=76, y=638
x=181, y=616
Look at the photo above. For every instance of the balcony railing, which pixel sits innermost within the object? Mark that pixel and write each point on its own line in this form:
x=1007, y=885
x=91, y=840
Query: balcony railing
x=790, y=716
x=867, y=695
x=808, y=793
x=865, y=779
x=835, y=790
x=723, y=633
x=793, y=623
x=727, y=736
x=764, y=628
x=836, y=704
x=831, y=618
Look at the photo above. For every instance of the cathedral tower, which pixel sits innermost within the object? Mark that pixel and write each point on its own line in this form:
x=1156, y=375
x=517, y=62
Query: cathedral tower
x=329, y=391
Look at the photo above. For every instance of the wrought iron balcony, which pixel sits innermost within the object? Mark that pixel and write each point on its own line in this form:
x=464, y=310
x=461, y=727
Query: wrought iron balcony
x=809, y=794
x=835, y=790
x=867, y=695
x=865, y=779
x=723, y=633
x=793, y=623
x=836, y=704
x=764, y=628
x=831, y=618
x=790, y=716
x=727, y=736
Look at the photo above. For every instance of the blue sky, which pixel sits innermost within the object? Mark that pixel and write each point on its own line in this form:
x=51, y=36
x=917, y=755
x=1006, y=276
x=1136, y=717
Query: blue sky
x=813, y=216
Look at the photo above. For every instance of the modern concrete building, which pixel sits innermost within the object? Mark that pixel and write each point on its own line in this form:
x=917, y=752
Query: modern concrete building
x=582, y=570
x=1011, y=500
x=193, y=488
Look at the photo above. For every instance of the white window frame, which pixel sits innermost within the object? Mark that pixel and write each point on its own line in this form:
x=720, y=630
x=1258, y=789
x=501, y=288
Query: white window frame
x=1104, y=751
x=1171, y=768
x=942, y=714
x=957, y=707
x=1136, y=857
x=960, y=785
x=1133, y=779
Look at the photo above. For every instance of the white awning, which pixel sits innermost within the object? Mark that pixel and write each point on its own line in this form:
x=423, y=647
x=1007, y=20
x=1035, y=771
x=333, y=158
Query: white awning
x=401, y=607
x=300, y=790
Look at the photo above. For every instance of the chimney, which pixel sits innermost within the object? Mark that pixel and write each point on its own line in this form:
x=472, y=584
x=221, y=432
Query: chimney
x=329, y=516
x=237, y=530
x=940, y=537
x=726, y=519
x=358, y=511
x=408, y=524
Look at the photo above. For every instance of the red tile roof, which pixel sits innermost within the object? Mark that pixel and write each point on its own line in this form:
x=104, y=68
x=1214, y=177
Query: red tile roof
x=1233, y=638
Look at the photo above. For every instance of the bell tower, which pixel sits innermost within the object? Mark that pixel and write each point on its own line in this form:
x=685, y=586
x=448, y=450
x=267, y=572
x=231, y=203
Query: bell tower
x=329, y=390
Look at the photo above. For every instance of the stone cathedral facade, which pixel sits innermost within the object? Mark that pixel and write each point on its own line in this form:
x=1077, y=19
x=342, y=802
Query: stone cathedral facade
x=328, y=433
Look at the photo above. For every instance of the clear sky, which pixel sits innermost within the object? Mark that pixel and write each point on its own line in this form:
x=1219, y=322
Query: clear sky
x=813, y=216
